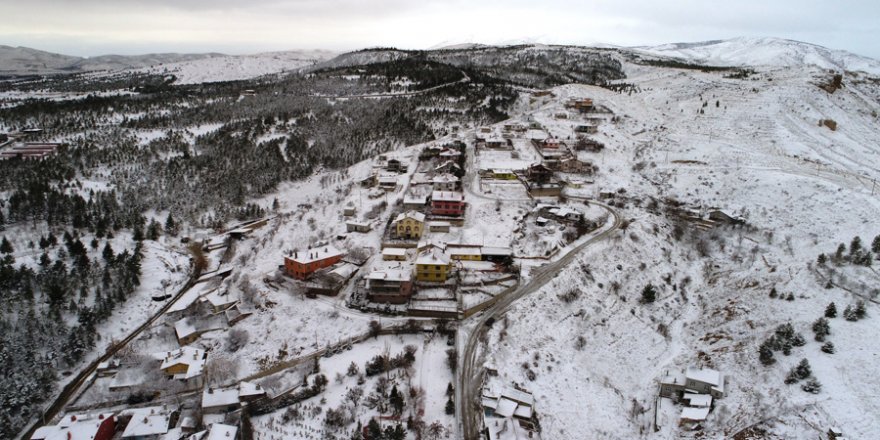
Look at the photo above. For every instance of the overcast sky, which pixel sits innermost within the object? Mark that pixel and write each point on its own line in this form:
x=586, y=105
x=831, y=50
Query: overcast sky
x=95, y=27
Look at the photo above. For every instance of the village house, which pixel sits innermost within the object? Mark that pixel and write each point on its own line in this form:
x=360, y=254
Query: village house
x=330, y=280
x=550, y=143
x=445, y=182
x=410, y=224
x=468, y=253
x=583, y=105
x=587, y=129
x=356, y=226
x=349, y=211
x=393, y=165
x=219, y=401
x=439, y=226
x=496, y=254
x=539, y=173
x=415, y=201
x=390, y=285
x=236, y=313
x=566, y=214
x=304, y=263
x=511, y=405
x=394, y=254
x=503, y=174
x=695, y=381
x=431, y=151
x=449, y=153
x=388, y=183
x=184, y=363
x=447, y=203
x=99, y=426
x=219, y=431
x=432, y=265
x=150, y=423
x=573, y=165
x=186, y=332
x=219, y=303
x=497, y=142
x=448, y=166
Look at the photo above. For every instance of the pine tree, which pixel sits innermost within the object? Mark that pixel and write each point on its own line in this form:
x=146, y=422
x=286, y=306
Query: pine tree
x=171, y=227
x=875, y=245
x=855, y=246
x=6, y=246
x=831, y=310
x=849, y=314
x=821, y=259
x=791, y=377
x=450, y=406
x=773, y=293
x=821, y=329
x=860, y=311
x=649, y=294
x=765, y=353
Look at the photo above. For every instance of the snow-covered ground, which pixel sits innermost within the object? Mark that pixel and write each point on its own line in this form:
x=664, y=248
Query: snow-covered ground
x=755, y=150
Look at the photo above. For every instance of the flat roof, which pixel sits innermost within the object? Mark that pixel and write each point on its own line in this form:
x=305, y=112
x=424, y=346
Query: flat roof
x=397, y=252
x=316, y=254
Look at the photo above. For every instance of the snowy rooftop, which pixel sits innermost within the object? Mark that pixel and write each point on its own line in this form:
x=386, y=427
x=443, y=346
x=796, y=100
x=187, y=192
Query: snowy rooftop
x=705, y=375
x=447, y=196
x=184, y=328
x=317, y=254
x=72, y=427
x=695, y=414
x=214, y=397
x=444, y=178
x=433, y=257
x=192, y=357
x=191, y=295
x=218, y=300
x=246, y=389
x=222, y=432
x=506, y=407
x=146, y=422
x=495, y=251
x=462, y=250
x=415, y=215
x=394, y=252
x=390, y=275
x=344, y=270
x=698, y=400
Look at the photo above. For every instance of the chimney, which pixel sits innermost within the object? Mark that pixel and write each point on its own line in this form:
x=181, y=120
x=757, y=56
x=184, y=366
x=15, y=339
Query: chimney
x=100, y=416
x=69, y=435
x=210, y=390
x=73, y=418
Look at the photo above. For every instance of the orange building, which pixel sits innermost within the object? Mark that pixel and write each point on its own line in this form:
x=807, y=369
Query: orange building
x=302, y=264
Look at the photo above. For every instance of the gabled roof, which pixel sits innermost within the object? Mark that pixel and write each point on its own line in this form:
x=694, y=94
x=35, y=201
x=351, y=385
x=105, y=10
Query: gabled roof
x=433, y=257
x=220, y=431
x=316, y=254
x=192, y=357
x=447, y=196
x=147, y=421
x=705, y=375
x=414, y=215
x=400, y=275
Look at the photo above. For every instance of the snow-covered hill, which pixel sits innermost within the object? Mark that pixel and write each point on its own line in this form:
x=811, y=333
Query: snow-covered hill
x=27, y=61
x=189, y=68
x=239, y=67
x=748, y=51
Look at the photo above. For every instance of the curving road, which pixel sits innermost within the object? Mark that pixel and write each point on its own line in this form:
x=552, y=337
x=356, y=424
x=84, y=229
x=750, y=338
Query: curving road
x=469, y=378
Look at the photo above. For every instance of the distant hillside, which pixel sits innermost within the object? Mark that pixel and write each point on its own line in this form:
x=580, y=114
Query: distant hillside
x=27, y=61
x=746, y=51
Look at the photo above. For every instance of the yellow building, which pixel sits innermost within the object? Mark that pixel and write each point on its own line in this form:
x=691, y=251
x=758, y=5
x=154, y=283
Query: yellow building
x=410, y=224
x=464, y=253
x=432, y=266
x=503, y=174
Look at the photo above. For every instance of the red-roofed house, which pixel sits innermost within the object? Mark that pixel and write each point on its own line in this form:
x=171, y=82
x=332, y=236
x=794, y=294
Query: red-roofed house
x=304, y=263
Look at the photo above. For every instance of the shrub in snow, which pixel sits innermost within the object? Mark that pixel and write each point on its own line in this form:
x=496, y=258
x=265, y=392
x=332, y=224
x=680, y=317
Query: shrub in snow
x=828, y=347
x=812, y=386
x=649, y=294
x=821, y=329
